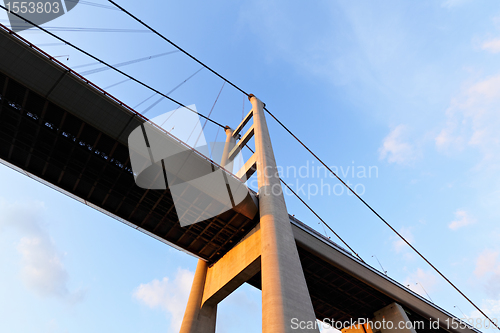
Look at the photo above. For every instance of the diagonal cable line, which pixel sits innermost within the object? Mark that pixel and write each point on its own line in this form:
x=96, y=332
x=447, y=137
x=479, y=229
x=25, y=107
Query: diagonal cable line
x=210, y=113
x=125, y=63
x=105, y=68
x=314, y=212
x=144, y=101
x=50, y=44
x=115, y=84
x=171, y=91
x=111, y=66
x=94, y=4
x=77, y=29
x=319, y=217
x=382, y=219
x=215, y=140
x=176, y=46
x=153, y=105
x=180, y=84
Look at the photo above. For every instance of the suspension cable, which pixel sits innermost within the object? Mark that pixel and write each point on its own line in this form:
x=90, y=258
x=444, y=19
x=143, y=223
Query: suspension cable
x=115, y=84
x=94, y=4
x=319, y=217
x=312, y=210
x=383, y=220
x=171, y=91
x=111, y=66
x=125, y=63
x=177, y=46
x=210, y=113
x=76, y=29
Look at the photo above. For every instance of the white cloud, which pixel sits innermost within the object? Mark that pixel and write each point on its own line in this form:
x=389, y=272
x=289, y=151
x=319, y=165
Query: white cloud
x=462, y=219
x=396, y=148
x=489, y=306
x=485, y=263
x=407, y=233
x=487, y=272
x=422, y=281
x=472, y=121
x=42, y=270
x=170, y=296
x=24, y=217
x=492, y=45
x=492, y=307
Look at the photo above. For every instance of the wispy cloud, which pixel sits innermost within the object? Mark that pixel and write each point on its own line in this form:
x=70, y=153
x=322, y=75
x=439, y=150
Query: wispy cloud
x=473, y=121
x=43, y=270
x=485, y=263
x=487, y=272
x=462, y=219
x=492, y=45
x=169, y=296
x=396, y=148
x=490, y=306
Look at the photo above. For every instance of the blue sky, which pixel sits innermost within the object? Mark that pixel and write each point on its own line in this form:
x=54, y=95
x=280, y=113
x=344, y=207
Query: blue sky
x=411, y=89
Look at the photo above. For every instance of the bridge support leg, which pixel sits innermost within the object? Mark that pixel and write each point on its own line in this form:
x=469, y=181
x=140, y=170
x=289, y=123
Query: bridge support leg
x=212, y=284
x=199, y=318
x=230, y=143
x=285, y=298
x=269, y=249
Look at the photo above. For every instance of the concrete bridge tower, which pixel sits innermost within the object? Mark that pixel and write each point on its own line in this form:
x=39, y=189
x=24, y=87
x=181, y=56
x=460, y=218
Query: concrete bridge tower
x=270, y=248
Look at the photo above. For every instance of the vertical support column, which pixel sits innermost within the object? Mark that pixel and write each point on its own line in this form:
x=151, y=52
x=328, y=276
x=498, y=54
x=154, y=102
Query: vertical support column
x=285, y=298
x=230, y=143
x=198, y=319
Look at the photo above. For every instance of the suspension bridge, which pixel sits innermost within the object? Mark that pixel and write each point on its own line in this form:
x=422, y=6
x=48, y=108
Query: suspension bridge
x=62, y=130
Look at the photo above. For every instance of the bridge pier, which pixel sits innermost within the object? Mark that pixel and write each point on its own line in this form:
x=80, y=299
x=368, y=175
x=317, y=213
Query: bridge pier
x=269, y=249
x=198, y=317
x=284, y=291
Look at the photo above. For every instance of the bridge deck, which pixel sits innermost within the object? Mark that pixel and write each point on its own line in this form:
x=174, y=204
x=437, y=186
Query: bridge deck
x=62, y=130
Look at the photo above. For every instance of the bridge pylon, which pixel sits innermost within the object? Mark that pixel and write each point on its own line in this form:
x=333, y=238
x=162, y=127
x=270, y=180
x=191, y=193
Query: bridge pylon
x=269, y=248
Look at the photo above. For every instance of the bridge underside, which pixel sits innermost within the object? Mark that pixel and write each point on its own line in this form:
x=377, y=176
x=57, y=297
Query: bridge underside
x=50, y=143
x=40, y=137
